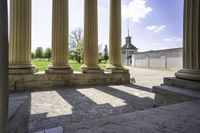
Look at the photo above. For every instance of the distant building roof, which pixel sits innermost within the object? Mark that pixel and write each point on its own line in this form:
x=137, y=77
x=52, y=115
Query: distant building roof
x=128, y=44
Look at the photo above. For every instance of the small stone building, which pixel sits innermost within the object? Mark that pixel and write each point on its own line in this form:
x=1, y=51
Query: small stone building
x=128, y=50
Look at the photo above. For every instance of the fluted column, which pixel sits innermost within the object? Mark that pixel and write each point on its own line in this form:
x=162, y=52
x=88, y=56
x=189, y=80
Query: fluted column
x=59, y=38
x=115, y=37
x=3, y=66
x=191, y=42
x=20, y=37
x=90, y=37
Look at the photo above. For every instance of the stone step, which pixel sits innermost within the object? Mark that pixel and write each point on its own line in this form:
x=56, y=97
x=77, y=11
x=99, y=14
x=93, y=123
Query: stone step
x=167, y=95
x=182, y=118
x=177, y=90
x=181, y=83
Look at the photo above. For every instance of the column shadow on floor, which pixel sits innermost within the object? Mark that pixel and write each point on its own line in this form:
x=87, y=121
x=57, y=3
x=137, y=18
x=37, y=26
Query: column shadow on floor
x=85, y=109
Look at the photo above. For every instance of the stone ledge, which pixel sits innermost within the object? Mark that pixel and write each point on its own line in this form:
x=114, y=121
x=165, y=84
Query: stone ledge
x=23, y=71
x=175, y=90
x=172, y=81
x=59, y=71
x=44, y=81
x=117, y=70
x=88, y=71
x=166, y=95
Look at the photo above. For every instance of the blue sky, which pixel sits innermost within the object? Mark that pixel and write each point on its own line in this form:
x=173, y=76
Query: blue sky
x=154, y=24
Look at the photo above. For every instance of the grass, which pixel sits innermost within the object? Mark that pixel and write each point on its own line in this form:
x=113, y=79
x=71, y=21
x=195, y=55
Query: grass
x=43, y=64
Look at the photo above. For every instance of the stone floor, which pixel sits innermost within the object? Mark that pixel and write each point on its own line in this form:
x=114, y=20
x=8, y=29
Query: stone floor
x=178, y=118
x=65, y=106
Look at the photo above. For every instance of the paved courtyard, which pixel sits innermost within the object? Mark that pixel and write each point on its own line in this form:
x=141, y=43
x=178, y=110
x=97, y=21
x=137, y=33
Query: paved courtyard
x=150, y=77
x=65, y=106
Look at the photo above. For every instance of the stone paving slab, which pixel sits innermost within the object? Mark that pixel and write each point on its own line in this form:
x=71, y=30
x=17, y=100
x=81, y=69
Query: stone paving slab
x=67, y=106
x=178, y=118
x=18, y=114
x=52, y=130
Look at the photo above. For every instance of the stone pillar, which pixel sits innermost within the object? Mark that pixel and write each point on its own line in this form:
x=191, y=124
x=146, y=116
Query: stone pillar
x=90, y=38
x=59, y=38
x=3, y=66
x=20, y=37
x=115, y=37
x=191, y=47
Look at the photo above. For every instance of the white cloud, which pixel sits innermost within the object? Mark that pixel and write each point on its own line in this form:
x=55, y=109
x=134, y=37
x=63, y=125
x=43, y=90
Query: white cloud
x=173, y=39
x=156, y=28
x=136, y=10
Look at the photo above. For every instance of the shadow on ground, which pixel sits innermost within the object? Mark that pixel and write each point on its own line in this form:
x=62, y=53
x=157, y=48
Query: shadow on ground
x=85, y=103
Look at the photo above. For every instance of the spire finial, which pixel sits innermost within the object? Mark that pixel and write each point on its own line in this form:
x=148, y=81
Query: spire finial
x=128, y=26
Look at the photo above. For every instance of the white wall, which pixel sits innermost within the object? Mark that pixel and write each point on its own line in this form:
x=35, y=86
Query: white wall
x=167, y=59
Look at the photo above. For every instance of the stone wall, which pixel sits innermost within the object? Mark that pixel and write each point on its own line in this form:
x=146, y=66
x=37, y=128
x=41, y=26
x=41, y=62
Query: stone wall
x=45, y=81
x=166, y=59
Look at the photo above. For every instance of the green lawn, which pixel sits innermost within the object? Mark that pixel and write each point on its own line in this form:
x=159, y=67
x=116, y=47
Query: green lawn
x=43, y=64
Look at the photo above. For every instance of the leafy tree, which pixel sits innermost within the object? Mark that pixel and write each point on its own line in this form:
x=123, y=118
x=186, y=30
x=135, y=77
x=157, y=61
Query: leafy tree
x=79, y=51
x=76, y=44
x=100, y=57
x=32, y=55
x=47, y=53
x=105, y=54
x=39, y=52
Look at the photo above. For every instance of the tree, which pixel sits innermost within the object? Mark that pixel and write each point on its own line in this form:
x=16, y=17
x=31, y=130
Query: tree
x=75, y=38
x=32, y=55
x=39, y=52
x=47, y=54
x=79, y=51
x=76, y=43
x=105, y=54
x=100, y=53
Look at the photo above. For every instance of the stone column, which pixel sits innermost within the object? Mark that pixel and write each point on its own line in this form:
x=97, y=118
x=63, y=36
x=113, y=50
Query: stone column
x=191, y=42
x=3, y=66
x=115, y=37
x=20, y=37
x=59, y=38
x=90, y=38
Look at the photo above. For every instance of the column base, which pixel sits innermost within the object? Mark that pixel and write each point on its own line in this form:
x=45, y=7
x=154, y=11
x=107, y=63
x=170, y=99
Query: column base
x=116, y=69
x=175, y=90
x=188, y=74
x=59, y=70
x=85, y=69
x=22, y=70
